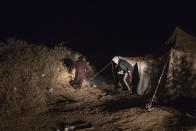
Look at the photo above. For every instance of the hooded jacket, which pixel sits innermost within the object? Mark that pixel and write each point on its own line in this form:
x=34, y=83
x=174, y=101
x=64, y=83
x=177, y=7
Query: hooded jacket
x=125, y=66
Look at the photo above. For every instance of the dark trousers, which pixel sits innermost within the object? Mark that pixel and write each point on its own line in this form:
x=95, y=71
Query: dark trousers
x=124, y=80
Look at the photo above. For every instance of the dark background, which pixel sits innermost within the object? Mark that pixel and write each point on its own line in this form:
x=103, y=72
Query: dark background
x=100, y=29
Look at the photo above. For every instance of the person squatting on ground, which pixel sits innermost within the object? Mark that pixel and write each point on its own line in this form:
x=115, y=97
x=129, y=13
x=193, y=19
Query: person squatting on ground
x=81, y=67
x=123, y=74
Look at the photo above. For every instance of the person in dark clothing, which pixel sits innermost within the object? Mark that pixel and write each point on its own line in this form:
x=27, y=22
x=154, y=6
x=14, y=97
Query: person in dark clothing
x=81, y=68
x=123, y=73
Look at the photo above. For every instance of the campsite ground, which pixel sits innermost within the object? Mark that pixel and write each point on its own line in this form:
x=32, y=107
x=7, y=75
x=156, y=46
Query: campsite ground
x=92, y=109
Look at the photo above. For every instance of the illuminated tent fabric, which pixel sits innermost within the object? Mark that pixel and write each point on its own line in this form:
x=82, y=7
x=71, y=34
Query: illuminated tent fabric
x=179, y=79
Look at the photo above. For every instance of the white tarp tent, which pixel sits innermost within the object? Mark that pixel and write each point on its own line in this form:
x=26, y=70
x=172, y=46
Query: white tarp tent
x=179, y=79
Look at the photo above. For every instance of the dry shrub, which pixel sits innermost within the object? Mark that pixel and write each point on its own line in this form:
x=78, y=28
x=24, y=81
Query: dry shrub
x=28, y=72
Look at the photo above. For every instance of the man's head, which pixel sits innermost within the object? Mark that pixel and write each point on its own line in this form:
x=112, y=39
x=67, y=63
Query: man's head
x=81, y=58
x=116, y=60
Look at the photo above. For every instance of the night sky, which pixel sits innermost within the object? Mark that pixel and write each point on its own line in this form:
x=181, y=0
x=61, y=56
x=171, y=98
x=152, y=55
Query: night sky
x=99, y=29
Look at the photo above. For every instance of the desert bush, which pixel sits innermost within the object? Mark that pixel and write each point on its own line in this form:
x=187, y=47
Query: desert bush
x=28, y=72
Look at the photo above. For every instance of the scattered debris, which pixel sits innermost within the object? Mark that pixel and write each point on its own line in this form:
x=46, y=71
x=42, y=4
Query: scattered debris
x=94, y=86
x=43, y=75
x=15, y=89
x=69, y=128
x=51, y=90
x=77, y=125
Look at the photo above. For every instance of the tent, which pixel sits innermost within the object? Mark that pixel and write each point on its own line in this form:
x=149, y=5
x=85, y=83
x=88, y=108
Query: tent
x=179, y=74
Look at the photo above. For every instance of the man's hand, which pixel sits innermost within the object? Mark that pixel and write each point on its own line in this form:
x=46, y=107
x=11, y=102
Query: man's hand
x=130, y=74
x=120, y=72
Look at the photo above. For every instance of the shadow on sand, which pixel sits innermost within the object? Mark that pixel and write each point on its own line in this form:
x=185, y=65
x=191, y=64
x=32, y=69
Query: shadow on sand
x=187, y=107
x=123, y=101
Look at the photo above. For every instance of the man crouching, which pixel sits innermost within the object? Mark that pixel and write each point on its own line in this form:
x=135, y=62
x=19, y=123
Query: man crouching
x=123, y=74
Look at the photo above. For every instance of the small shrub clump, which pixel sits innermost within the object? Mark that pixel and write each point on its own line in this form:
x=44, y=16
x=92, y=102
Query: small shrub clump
x=28, y=72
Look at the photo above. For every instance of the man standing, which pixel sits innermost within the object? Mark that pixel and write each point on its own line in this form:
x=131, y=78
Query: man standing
x=123, y=72
x=81, y=68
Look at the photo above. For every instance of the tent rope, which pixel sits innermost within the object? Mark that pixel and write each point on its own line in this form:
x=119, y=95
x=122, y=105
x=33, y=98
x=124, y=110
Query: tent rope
x=100, y=71
x=149, y=105
x=113, y=73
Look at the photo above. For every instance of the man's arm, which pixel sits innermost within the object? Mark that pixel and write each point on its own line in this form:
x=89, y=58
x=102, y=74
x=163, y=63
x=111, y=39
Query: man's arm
x=120, y=72
x=129, y=68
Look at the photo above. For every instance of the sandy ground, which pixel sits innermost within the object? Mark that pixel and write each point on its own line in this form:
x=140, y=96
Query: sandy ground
x=92, y=109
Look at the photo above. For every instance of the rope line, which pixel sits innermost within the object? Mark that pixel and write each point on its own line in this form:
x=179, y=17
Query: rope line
x=100, y=71
x=149, y=105
x=113, y=72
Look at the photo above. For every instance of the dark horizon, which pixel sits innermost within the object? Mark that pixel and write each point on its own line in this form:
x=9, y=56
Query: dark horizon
x=98, y=29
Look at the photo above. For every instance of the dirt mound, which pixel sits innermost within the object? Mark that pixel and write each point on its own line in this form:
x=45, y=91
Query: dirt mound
x=92, y=109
